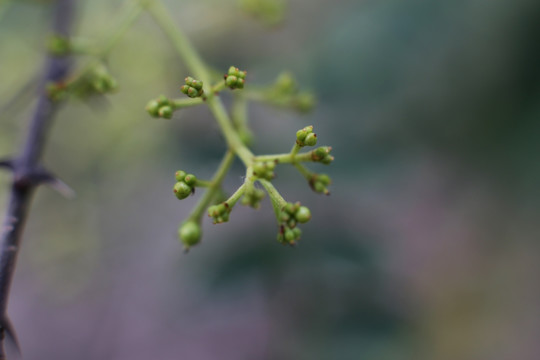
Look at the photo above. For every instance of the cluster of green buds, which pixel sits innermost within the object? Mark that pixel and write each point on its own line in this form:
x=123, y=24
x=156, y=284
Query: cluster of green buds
x=185, y=184
x=193, y=88
x=100, y=80
x=96, y=80
x=253, y=198
x=235, y=78
x=289, y=217
x=259, y=169
x=285, y=93
x=219, y=213
x=319, y=183
x=306, y=137
x=264, y=169
x=322, y=155
x=160, y=107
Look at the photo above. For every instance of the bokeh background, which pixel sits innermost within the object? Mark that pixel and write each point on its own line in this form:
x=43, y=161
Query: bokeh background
x=426, y=249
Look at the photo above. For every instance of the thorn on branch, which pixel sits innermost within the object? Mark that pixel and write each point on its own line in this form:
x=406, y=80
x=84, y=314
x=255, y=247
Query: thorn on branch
x=7, y=326
x=42, y=176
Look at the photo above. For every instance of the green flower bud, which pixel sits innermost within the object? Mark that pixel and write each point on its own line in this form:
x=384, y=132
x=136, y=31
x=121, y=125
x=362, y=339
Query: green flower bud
x=162, y=100
x=190, y=179
x=258, y=168
x=182, y=190
x=327, y=160
x=219, y=212
x=192, y=88
x=253, y=198
x=301, y=135
x=291, y=223
x=303, y=214
x=153, y=108
x=324, y=179
x=165, y=112
x=264, y=170
x=306, y=137
x=291, y=208
x=289, y=235
x=231, y=81
x=311, y=139
x=180, y=175
x=322, y=154
x=190, y=233
x=235, y=78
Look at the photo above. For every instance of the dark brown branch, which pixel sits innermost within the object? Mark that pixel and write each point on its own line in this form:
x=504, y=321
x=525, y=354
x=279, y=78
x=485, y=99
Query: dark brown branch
x=27, y=172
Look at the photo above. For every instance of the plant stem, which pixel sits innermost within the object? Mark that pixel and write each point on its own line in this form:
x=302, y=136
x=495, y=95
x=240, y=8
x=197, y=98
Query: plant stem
x=26, y=167
x=192, y=59
x=231, y=201
x=295, y=149
x=217, y=179
x=304, y=171
x=203, y=183
x=278, y=202
x=200, y=71
x=218, y=87
x=183, y=103
x=131, y=13
x=234, y=142
x=286, y=158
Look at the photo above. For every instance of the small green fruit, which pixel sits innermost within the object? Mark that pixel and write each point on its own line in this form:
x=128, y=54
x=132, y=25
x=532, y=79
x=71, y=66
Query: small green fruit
x=165, y=112
x=311, y=139
x=190, y=179
x=190, y=233
x=182, y=190
x=303, y=214
x=153, y=108
x=180, y=175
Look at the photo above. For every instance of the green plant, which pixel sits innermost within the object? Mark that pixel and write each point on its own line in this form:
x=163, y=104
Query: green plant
x=60, y=82
x=259, y=169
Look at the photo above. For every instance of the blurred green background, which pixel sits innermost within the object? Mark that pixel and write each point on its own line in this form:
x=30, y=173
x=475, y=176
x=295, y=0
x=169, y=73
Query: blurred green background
x=426, y=249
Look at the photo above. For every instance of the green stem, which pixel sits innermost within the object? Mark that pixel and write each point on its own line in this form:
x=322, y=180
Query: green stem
x=295, y=149
x=231, y=201
x=233, y=140
x=218, y=87
x=192, y=59
x=278, y=202
x=131, y=13
x=203, y=183
x=304, y=171
x=199, y=70
x=214, y=187
x=183, y=103
x=250, y=180
x=239, y=112
x=286, y=158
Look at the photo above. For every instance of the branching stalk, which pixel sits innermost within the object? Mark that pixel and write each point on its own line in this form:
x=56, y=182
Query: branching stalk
x=26, y=167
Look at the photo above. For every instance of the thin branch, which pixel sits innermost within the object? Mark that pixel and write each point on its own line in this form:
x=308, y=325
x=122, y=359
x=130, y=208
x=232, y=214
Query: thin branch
x=26, y=168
